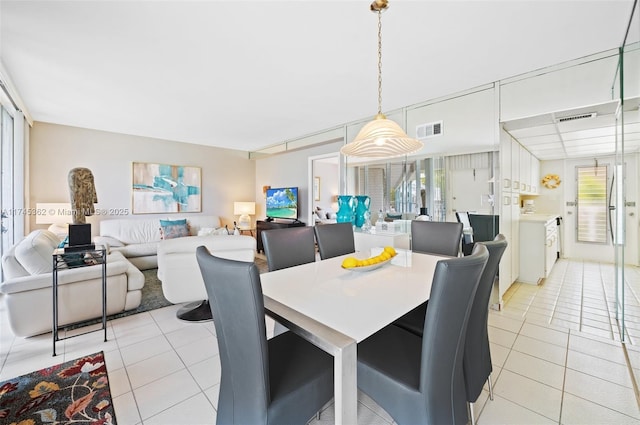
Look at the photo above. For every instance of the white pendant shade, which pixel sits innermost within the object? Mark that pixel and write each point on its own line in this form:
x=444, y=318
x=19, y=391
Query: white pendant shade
x=381, y=138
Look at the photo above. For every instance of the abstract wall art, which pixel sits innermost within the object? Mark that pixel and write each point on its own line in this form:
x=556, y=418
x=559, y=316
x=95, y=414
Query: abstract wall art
x=164, y=188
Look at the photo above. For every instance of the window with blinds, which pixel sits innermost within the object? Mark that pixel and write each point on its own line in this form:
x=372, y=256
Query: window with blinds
x=592, y=204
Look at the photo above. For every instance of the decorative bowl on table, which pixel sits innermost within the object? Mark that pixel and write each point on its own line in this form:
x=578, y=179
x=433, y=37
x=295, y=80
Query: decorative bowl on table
x=369, y=267
x=368, y=264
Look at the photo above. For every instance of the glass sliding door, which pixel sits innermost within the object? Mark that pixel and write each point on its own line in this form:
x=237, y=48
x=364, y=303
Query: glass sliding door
x=622, y=213
x=7, y=228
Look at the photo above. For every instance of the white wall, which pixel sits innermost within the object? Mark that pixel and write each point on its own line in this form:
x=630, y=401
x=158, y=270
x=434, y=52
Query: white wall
x=468, y=124
x=554, y=201
x=558, y=89
x=227, y=175
x=329, y=183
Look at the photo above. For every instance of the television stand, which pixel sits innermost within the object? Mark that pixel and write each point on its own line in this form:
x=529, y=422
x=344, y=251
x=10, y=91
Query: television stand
x=271, y=224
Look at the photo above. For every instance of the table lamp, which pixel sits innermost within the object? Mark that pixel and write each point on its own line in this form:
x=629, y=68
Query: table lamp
x=58, y=215
x=244, y=209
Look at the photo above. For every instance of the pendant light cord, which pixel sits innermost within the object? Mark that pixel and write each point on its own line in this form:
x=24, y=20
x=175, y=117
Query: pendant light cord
x=380, y=62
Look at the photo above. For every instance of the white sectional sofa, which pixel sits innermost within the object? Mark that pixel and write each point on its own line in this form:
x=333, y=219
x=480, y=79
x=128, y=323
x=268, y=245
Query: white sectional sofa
x=179, y=271
x=27, y=286
x=137, y=238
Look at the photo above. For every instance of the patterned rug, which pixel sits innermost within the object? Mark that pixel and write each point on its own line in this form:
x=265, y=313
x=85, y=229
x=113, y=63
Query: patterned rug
x=74, y=392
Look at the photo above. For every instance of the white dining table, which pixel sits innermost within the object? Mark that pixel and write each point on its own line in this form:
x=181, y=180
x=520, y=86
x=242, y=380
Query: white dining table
x=336, y=308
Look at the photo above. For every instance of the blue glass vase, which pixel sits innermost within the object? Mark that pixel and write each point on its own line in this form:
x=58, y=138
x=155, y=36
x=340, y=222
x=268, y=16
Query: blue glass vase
x=362, y=208
x=346, y=209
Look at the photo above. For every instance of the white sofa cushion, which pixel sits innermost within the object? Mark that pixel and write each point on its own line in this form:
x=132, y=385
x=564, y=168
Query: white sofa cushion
x=34, y=253
x=10, y=266
x=131, y=230
x=137, y=250
x=178, y=268
x=143, y=230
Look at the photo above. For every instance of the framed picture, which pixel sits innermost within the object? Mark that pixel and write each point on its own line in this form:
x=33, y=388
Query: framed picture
x=316, y=188
x=164, y=188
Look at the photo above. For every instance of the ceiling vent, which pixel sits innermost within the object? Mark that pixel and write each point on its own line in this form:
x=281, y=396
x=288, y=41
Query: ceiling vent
x=432, y=129
x=577, y=117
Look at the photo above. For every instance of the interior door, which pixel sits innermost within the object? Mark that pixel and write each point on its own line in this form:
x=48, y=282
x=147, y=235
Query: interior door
x=470, y=191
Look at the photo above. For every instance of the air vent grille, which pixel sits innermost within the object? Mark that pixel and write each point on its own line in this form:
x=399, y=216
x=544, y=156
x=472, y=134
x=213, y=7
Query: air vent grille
x=432, y=129
x=577, y=117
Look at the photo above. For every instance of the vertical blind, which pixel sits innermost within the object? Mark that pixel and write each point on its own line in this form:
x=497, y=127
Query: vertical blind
x=592, y=204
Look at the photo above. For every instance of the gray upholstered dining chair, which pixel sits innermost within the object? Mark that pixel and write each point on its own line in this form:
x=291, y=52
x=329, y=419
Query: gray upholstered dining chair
x=288, y=247
x=467, y=232
x=430, y=237
x=284, y=380
x=334, y=239
x=436, y=237
x=420, y=380
x=477, y=355
x=485, y=226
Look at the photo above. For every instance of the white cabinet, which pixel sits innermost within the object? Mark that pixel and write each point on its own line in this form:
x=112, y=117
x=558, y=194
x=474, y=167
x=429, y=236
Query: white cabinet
x=525, y=170
x=515, y=165
x=538, y=248
x=535, y=175
x=528, y=172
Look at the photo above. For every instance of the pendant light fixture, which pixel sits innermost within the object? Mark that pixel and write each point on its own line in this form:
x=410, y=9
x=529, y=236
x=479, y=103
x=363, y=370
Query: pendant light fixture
x=381, y=138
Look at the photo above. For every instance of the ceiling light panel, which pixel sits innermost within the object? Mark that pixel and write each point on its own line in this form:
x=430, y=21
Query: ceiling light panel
x=536, y=140
x=611, y=140
x=589, y=150
x=589, y=134
x=542, y=146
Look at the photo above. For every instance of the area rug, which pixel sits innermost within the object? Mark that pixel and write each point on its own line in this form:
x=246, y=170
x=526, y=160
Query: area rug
x=152, y=296
x=74, y=392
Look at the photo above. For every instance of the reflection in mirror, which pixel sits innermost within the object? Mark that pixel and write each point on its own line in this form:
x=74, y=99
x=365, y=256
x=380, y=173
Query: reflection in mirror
x=436, y=187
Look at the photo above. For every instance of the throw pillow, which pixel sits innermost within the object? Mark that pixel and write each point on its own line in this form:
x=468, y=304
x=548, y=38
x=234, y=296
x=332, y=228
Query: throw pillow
x=171, y=229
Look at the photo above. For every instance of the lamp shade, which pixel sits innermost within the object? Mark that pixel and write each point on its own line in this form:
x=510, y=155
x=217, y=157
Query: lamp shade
x=244, y=209
x=240, y=208
x=381, y=138
x=53, y=213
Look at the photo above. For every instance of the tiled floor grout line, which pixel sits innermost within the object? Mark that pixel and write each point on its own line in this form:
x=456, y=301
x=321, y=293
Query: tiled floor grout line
x=637, y=302
x=634, y=383
x=126, y=372
x=557, y=297
x=564, y=376
x=581, y=303
x=606, y=299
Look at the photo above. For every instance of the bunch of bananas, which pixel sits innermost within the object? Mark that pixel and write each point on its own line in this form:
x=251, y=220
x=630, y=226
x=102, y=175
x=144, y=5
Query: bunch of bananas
x=387, y=253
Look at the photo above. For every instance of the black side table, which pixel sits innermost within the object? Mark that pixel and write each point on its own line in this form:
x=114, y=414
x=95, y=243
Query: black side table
x=63, y=260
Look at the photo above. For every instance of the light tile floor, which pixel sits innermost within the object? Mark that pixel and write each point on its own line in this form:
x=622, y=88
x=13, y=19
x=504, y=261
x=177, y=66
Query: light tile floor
x=556, y=353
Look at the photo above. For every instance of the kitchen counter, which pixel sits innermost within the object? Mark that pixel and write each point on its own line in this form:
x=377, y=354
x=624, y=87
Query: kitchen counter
x=542, y=218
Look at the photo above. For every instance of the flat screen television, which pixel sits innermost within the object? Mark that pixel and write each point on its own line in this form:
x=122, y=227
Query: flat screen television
x=282, y=203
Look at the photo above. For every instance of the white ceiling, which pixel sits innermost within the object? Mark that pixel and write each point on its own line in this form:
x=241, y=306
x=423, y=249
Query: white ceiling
x=580, y=132
x=246, y=75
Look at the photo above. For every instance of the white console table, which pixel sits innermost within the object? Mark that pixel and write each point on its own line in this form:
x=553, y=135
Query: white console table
x=364, y=241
